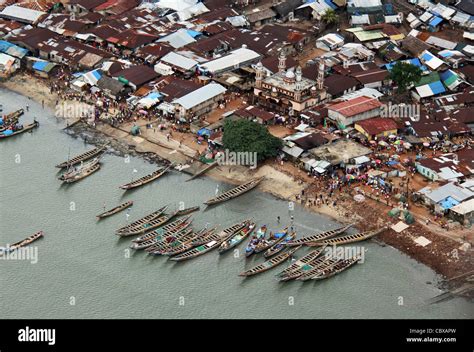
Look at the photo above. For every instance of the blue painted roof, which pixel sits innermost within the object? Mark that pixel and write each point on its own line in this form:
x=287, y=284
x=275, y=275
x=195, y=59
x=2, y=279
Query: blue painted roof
x=448, y=203
x=437, y=87
x=40, y=65
x=12, y=49
x=331, y=4
x=154, y=95
x=427, y=56
x=446, y=74
x=192, y=33
x=414, y=61
x=435, y=21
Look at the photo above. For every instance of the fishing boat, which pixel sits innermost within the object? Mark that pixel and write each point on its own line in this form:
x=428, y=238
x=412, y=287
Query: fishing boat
x=236, y=239
x=10, y=133
x=273, y=240
x=301, y=265
x=178, y=224
x=271, y=263
x=226, y=233
x=319, y=265
x=203, y=171
x=187, y=211
x=84, y=172
x=340, y=266
x=140, y=222
x=158, y=240
x=183, y=244
x=234, y=192
x=115, y=210
x=22, y=243
x=14, y=115
x=146, y=179
x=214, y=240
x=74, y=171
x=82, y=157
x=318, y=237
x=148, y=226
x=361, y=236
x=279, y=246
x=255, y=240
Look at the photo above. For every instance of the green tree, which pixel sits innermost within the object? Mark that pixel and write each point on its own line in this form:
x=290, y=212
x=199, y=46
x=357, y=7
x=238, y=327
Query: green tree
x=247, y=136
x=330, y=17
x=404, y=75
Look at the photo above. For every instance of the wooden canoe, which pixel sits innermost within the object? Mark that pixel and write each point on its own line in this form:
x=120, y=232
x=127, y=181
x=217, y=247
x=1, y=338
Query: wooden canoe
x=83, y=174
x=148, y=226
x=115, y=210
x=187, y=211
x=255, y=240
x=302, y=265
x=361, y=236
x=236, y=239
x=172, y=242
x=317, y=266
x=279, y=246
x=146, y=179
x=319, y=237
x=82, y=157
x=15, y=115
x=271, y=263
x=23, y=130
x=182, y=245
x=168, y=228
x=75, y=172
x=225, y=234
x=23, y=243
x=203, y=171
x=336, y=268
x=158, y=239
x=234, y=192
x=266, y=244
x=139, y=223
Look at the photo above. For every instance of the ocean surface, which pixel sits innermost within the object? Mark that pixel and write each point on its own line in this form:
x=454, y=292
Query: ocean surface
x=85, y=271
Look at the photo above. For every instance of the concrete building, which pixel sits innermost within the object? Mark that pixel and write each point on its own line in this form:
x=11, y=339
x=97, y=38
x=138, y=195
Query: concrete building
x=354, y=110
x=199, y=101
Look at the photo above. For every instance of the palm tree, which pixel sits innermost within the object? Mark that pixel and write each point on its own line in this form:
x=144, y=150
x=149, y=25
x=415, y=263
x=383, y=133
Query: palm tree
x=330, y=16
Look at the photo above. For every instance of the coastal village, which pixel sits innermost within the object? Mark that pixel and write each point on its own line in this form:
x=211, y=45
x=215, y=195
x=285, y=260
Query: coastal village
x=318, y=75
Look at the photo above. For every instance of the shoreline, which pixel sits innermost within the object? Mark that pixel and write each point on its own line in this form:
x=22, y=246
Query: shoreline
x=278, y=183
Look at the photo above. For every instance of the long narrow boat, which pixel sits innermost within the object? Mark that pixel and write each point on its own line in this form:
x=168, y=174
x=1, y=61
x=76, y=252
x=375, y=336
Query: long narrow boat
x=173, y=242
x=146, y=179
x=23, y=243
x=139, y=223
x=275, y=238
x=298, y=267
x=24, y=129
x=82, y=157
x=182, y=245
x=226, y=233
x=159, y=239
x=361, y=236
x=178, y=224
x=187, y=211
x=271, y=263
x=236, y=239
x=234, y=192
x=115, y=210
x=319, y=237
x=73, y=172
x=83, y=174
x=319, y=265
x=279, y=246
x=150, y=225
x=202, y=171
x=214, y=240
x=13, y=115
x=255, y=240
x=336, y=268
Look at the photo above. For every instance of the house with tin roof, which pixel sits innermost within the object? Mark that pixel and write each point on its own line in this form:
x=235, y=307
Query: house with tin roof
x=354, y=110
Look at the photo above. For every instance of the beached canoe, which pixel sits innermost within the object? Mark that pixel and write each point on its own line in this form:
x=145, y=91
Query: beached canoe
x=75, y=171
x=82, y=157
x=361, y=236
x=85, y=172
x=26, y=128
x=115, y=210
x=319, y=237
x=270, y=242
x=279, y=246
x=255, y=240
x=234, y=192
x=337, y=268
x=238, y=238
x=146, y=179
x=23, y=243
x=140, y=222
x=302, y=265
x=271, y=263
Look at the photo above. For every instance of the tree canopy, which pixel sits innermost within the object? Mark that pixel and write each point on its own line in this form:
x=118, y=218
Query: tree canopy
x=248, y=136
x=330, y=16
x=404, y=75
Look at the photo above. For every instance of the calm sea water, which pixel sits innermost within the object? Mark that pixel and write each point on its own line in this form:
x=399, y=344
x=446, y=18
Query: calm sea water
x=83, y=269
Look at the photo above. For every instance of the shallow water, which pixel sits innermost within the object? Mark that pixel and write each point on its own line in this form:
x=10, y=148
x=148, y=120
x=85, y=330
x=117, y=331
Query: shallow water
x=83, y=270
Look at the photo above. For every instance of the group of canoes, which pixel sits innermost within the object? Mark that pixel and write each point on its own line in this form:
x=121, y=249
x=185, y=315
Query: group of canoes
x=10, y=125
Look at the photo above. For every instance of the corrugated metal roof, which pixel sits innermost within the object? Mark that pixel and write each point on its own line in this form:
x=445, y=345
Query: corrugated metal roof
x=179, y=61
x=200, y=95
